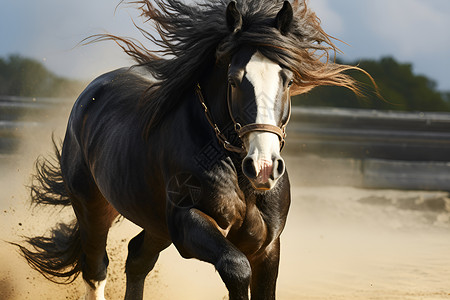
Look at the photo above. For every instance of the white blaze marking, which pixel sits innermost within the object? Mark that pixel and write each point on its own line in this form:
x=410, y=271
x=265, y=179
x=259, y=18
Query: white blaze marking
x=264, y=75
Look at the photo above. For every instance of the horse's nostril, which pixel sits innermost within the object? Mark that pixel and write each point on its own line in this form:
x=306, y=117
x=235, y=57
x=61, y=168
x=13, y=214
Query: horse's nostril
x=248, y=167
x=278, y=168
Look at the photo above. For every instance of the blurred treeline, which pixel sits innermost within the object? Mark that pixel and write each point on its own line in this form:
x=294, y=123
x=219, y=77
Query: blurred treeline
x=399, y=87
x=26, y=77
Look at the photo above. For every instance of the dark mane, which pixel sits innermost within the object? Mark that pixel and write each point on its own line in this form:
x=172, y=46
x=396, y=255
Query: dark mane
x=194, y=37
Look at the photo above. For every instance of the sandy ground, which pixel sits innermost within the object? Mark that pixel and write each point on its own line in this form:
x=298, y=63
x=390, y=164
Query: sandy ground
x=339, y=243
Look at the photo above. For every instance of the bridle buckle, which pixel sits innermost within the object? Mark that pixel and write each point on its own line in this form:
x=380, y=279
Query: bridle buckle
x=242, y=130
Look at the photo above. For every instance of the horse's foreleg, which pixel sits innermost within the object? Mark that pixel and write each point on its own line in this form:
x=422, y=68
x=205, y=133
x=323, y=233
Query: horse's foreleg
x=265, y=272
x=197, y=235
x=143, y=252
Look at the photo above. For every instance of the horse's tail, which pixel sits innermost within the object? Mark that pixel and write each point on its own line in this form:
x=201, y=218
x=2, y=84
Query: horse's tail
x=57, y=256
x=48, y=185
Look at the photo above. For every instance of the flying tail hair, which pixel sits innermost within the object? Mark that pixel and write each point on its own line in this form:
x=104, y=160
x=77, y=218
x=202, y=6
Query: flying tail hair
x=56, y=256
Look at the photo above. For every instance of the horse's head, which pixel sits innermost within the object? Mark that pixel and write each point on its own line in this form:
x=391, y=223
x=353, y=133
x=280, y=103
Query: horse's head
x=259, y=104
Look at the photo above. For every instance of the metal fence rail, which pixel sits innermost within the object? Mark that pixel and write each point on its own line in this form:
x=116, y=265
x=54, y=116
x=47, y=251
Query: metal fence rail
x=327, y=132
x=20, y=115
x=370, y=134
x=361, y=147
x=370, y=149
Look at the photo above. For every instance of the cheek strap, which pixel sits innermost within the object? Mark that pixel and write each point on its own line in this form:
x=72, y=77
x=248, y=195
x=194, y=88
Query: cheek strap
x=241, y=130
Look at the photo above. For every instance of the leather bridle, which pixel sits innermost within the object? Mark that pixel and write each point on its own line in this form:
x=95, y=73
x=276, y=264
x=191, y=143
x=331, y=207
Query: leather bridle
x=241, y=130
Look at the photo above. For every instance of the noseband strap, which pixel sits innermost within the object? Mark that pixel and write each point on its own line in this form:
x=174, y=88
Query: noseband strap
x=241, y=130
x=262, y=127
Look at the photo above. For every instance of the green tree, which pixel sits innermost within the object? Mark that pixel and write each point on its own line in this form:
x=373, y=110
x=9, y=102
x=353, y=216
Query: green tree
x=399, y=87
x=27, y=77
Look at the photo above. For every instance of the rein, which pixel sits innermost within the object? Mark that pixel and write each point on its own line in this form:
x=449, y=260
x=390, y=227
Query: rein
x=241, y=130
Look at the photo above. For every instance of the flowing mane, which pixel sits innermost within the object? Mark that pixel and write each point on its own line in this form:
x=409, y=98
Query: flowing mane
x=194, y=37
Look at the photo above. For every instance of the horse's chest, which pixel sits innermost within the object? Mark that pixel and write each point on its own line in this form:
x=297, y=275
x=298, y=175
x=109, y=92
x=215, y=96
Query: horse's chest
x=253, y=234
x=243, y=225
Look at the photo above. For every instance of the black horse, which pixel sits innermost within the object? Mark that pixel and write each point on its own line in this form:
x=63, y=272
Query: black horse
x=187, y=145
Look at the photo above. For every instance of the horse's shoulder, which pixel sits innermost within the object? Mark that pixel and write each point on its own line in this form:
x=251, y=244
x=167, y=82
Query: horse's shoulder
x=127, y=76
x=141, y=72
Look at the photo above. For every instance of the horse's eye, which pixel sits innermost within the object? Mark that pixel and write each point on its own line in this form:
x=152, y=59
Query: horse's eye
x=231, y=82
x=290, y=83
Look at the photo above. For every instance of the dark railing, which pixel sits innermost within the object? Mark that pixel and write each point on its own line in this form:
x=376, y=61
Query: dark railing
x=20, y=115
x=370, y=134
x=371, y=149
x=326, y=132
x=379, y=149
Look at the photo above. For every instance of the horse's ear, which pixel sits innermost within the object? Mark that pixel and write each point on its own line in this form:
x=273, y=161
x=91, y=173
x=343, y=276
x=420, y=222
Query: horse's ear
x=284, y=18
x=234, y=17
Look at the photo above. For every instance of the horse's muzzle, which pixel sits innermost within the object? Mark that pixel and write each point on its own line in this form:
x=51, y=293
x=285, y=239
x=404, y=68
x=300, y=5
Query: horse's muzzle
x=263, y=165
x=263, y=174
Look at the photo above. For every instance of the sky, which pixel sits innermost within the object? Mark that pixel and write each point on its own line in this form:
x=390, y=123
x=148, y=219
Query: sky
x=411, y=31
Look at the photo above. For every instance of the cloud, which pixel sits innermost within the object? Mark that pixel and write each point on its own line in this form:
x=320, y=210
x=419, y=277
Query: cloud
x=329, y=17
x=412, y=27
x=413, y=31
x=50, y=32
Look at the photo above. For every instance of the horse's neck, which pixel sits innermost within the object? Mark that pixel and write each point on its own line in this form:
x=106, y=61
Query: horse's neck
x=214, y=87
